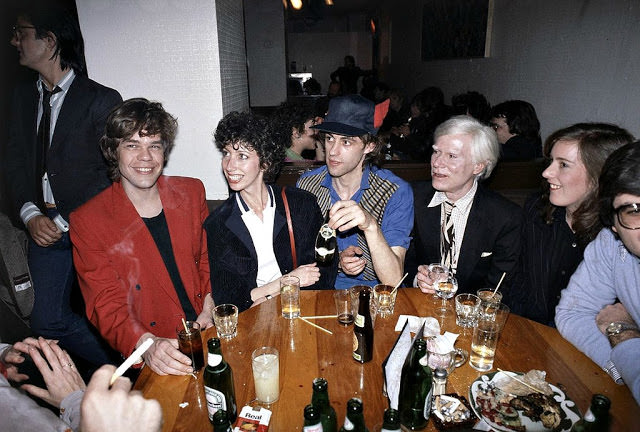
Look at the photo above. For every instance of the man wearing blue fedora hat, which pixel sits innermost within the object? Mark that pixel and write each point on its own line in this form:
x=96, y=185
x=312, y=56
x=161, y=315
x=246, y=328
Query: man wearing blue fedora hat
x=371, y=208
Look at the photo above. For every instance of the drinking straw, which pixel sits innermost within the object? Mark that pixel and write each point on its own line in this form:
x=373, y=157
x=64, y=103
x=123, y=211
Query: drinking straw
x=319, y=317
x=398, y=284
x=499, y=282
x=316, y=326
x=513, y=377
x=186, y=329
x=131, y=360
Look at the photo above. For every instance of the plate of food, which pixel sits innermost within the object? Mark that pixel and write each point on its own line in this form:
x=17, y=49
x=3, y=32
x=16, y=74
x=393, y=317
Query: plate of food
x=513, y=401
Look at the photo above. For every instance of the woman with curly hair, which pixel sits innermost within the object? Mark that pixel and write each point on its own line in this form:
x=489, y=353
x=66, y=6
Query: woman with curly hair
x=248, y=236
x=560, y=222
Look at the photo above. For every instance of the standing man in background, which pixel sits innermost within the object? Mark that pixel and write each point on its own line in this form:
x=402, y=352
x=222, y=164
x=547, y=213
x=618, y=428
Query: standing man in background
x=54, y=164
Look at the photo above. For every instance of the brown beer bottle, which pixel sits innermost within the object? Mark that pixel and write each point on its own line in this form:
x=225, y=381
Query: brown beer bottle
x=218, y=383
x=363, y=330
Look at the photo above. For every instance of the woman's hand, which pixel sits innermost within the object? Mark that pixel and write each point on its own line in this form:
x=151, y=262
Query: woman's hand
x=307, y=273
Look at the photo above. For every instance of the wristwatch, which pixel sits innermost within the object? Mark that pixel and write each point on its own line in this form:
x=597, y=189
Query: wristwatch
x=268, y=296
x=615, y=328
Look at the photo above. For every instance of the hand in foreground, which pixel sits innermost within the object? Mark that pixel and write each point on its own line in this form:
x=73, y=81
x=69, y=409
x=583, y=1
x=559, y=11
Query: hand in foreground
x=613, y=313
x=344, y=215
x=60, y=374
x=307, y=273
x=43, y=230
x=424, y=281
x=351, y=261
x=164, y=358
x=107, y=409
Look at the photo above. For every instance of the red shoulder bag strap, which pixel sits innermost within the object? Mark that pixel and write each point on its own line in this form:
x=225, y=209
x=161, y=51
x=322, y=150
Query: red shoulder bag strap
x=291, y=239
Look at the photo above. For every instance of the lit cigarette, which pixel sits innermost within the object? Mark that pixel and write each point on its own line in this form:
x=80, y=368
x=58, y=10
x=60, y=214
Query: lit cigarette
x=131, y=360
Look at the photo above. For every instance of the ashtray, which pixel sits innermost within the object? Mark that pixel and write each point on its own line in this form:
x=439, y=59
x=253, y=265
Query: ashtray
x=451, y=411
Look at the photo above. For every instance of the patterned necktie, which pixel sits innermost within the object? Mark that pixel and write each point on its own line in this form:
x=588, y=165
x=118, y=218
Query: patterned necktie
x=448, y=240
x=44, y=132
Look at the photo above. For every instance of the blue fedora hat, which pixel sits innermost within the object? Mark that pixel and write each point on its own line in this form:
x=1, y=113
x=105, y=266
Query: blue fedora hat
x=350, y=115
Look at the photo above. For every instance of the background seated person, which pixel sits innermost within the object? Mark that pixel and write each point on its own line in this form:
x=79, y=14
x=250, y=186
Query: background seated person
x=479, y=230
x=473, y=104
x=371, y=209
x=610, y=273
x=518, y=129
x=563, y=219
x=139, y=246
x=292, y=124
x=248, y=237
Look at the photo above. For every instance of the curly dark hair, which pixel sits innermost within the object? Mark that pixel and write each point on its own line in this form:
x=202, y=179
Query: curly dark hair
x=255, y=133
x=139, y=115
x=596, y=141
x=620, y=174
x=289, y=117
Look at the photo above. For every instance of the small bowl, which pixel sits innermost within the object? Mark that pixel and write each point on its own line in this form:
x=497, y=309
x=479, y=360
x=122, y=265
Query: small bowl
x=468, y=423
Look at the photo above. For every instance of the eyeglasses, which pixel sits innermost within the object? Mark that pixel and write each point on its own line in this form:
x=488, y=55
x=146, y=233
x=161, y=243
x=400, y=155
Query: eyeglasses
x=16, y=31
x=629, y=216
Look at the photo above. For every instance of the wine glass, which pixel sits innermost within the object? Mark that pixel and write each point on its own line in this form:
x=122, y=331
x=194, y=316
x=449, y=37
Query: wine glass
x=325, y=245
x=445, y=289
x=436, y=272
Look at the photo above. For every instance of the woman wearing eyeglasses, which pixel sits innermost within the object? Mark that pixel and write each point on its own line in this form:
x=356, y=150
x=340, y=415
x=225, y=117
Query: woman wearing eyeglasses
x=563, y=219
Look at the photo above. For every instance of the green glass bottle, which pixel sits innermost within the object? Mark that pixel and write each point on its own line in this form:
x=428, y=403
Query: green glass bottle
x=312, y=421
x=320, y=399
x=221, y=422
x=597, y=416
x=415, y=389
x=354, y=420
x=391, y=421
x=218, y=383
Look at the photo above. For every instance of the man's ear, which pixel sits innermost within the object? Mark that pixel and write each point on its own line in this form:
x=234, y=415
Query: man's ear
x=479, y=167
x=369, y=147
x=51, y=41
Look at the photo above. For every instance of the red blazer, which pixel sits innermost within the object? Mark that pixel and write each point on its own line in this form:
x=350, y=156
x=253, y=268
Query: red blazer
x=125, y=284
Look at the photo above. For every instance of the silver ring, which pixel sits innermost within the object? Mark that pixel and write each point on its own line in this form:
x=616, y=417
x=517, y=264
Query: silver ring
x=70, y=365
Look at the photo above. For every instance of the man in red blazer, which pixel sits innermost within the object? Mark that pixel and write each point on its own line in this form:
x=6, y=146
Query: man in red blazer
x=139, y=247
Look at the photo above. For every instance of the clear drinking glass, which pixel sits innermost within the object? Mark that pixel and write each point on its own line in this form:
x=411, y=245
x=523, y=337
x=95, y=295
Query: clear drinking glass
x=225, y=317
x=265, y=363
x=445, y=289
x=436, y=272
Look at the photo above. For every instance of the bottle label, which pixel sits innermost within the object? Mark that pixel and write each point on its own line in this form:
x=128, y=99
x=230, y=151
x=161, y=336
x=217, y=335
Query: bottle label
x=588, y=416
x=313, y=428
x=215, y=401
x=347, y=424
x=427, y=404
x=359, y=321
x=213, y=359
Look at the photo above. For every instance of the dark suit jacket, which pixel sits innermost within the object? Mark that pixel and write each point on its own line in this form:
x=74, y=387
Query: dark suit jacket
x=491, y=243
x=233, y=258
x=125, y=284
x=75, y=164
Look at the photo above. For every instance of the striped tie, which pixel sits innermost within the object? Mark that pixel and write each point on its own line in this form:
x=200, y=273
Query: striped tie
x=448, y=243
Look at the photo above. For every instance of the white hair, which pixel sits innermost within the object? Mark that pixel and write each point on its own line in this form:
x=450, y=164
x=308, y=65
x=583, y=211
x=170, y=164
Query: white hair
x=484, y=141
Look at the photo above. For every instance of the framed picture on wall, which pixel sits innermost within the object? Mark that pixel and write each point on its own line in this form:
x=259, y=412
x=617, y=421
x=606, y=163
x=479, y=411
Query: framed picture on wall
x=455, y=29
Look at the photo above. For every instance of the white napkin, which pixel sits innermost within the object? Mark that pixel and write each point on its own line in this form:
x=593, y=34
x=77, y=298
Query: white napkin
x=431, y=325
x=442, y=344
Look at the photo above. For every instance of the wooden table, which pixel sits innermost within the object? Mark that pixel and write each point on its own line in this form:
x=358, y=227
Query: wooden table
x=306, y=353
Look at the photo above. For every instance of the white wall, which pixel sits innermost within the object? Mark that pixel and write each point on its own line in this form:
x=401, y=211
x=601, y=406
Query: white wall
x=573, y=60
x=164, y=50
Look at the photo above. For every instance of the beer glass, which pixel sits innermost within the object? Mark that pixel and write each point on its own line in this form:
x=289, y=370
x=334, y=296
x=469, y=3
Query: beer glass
x=290, y=296
x=485, y=337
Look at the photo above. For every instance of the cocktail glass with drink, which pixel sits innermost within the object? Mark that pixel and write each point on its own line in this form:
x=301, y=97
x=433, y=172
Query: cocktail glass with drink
x=265, y=363
x=485, y=337
x=489, y=298
x=384, y=297
x=190, y=343
x=436, y=272
x=290, y=296
x=445, y=289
